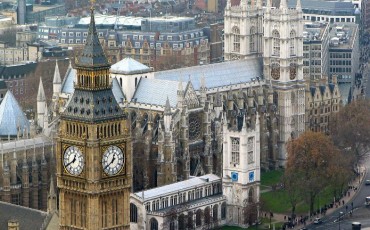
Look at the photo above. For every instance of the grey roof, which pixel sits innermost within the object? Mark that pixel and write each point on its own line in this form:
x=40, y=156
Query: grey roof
x=21, y=144
x=156, y=91
x=69, y=78
x=179, y=186
x=2, y=84
x=334, y=7
x=216, y=75
x=10, y=71
x=11, y=116
x=30, y=219
x=129, y=66
x=92, y=106
x=92, y=54
x=117, y=90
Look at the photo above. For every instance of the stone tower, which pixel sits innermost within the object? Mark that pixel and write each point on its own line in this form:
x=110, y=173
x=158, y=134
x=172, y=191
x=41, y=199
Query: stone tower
x=93, y=148
x=283, y=60
x=41, y=103
x=243, y=29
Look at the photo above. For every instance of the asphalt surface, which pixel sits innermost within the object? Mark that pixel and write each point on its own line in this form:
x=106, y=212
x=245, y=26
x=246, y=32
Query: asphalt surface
x=361, y=213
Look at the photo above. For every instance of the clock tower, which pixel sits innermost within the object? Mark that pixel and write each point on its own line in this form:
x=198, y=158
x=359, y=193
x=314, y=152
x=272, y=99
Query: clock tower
x=93, y=148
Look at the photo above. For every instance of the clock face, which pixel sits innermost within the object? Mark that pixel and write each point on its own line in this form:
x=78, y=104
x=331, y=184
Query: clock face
x=113, y=160
x=73, y=160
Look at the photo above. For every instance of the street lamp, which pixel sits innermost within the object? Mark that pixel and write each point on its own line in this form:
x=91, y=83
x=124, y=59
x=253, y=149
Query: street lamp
x=340, y=215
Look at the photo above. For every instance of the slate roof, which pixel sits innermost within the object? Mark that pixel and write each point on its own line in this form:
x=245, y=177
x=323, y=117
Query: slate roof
x=2, y=84
x=117, y=90
x=129, y=66
x=93, y=106
x=69, y=78
x=335, y=7
x=17, y=70
x=92, y=54
x=11, y=116
x=156, y=91
x=179, y=186
x=30, y=219
x=216, y=75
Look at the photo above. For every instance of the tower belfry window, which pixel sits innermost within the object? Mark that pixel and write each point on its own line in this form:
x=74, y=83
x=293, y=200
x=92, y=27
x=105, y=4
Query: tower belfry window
x=292, y=43
x=236, y=39
x=235, y=150
x=276, y=43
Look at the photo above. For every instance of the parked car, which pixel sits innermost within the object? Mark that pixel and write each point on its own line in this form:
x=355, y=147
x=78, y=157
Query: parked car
x=367, y=182
x=317, y=221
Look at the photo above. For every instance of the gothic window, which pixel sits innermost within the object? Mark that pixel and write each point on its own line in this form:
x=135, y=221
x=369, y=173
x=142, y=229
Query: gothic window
x=250, y=146
x=276, y=43
x=252, y=39
x=292, y=43
x=153, y=224
x=133, y=213
x=194, y=127
x=275, y=71
x=223, y=211
x=190, y=220
x=182, y=221
x=251, y=195
x=114, y=212
x=207, y=216
x=292, y=71
x=236, y=39
x=235, y=146
x=215, y=213
x=198, y=218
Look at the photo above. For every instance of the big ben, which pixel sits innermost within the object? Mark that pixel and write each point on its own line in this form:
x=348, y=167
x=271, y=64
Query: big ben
x=93, y=148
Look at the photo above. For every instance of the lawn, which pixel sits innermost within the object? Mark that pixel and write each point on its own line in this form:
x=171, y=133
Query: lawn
x=271, y=177
x=278, y=201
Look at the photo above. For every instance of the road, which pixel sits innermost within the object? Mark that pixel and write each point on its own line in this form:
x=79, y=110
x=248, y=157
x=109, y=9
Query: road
x=360, y=214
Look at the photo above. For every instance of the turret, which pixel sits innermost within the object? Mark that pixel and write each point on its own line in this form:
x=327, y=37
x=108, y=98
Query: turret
x=202, y=91
x=25, y=178
x=35, y=180
x=13, y=168
x=41, y=101
x=52, y=197
x=299, y=6
x=230, y=100
x=167, y=116
x=180, y=95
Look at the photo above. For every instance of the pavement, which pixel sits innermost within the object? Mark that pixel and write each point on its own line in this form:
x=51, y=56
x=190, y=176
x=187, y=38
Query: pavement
x=346, y=200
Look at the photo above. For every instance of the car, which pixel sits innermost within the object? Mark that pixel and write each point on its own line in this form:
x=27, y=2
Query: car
x=367, y=182
x=317, y=221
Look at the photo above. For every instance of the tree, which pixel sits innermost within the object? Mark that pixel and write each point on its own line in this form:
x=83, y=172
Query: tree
x=311, y=157
x=250, y=212
x=350, y=128
x=291, y=182
x=9, y=36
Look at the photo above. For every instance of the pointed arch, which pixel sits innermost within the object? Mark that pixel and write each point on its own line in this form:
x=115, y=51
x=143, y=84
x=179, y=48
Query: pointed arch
x=275, y=43
x=236, y=39
x=292, y=43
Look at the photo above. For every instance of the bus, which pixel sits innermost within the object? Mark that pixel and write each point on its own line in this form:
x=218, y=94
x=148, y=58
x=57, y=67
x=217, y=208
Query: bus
x=367, y=201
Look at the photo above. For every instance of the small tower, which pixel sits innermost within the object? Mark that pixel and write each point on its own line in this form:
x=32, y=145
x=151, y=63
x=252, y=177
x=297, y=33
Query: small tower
x=52, y=197
x=57, y=82
x=41, y=101
x=25, y=179
x=35, y=180
x=167, y=116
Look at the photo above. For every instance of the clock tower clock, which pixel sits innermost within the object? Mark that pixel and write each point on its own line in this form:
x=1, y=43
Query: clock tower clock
x=93, y=148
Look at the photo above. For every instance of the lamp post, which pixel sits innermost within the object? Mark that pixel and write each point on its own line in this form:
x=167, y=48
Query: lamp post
x=340, y=215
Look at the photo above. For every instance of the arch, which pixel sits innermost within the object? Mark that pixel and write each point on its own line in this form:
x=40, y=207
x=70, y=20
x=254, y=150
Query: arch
x=182, y=221
x=251, y=195
x=198, y=217
x=223, y=211
x=153, y=224
x=275, y=43
x=155, y=128
x=215, y=213
x=190, y=224
x=207, y=215
x=133, y=213
x=252, y=39
x=236, y=38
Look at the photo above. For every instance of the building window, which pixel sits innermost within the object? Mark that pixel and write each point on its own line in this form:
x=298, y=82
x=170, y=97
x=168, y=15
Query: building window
x=169, y=38
x=292, y=43
x=70, y=34
x=153, y=224
x=64, y=34
x=250, y=146
x=133, y=213
x=235, y=146
x=276, y=43
x=236, y=39
x=252, y=38
x=78, y=34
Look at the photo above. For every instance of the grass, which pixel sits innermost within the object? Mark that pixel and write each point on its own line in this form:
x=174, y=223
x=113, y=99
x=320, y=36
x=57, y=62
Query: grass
x=278, y=201
x=271, y=177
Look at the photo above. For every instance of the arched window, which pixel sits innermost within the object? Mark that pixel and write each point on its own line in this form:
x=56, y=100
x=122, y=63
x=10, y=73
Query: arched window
x=207, y=215
x=198, y=218
x=252, y=39
x=223, y=211
x=133, y=213
x=236, y=39
x=292, y=43
x=190, y=224
x=215, y=213
x=251, y=195
x=153, y=224
x=276, y=43
x=182, y=221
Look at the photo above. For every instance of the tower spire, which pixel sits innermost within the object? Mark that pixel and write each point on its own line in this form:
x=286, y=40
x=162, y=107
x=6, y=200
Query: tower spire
x=41, y=91
x=283, y=4
x=299, y=5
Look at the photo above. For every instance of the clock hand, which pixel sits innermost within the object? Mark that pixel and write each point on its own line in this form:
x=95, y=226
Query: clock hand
x=110, y=162
x=73, y=161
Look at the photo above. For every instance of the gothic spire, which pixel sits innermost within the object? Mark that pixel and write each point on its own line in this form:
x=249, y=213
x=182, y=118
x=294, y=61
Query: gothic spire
x=299, y=5
x=57, y=79
x=92, y=54
x=167, y=110
x=52, y=190
x=283, y=4
x=41, y=92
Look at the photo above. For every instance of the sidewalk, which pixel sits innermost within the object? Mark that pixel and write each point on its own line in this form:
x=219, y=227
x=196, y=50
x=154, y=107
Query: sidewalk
x=345, y=201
